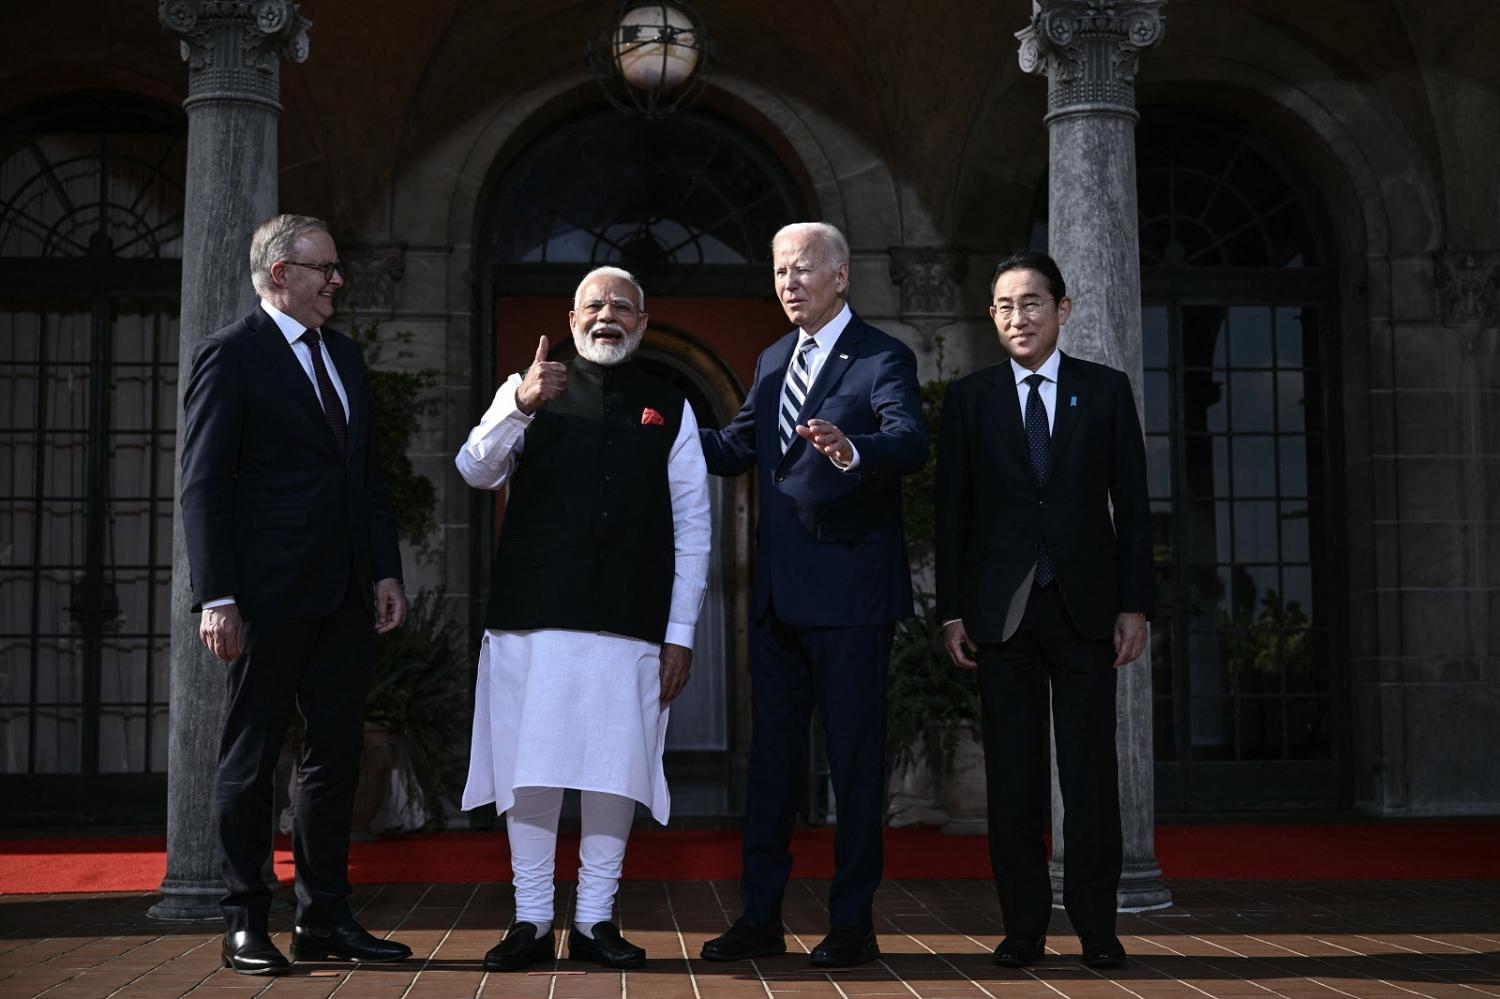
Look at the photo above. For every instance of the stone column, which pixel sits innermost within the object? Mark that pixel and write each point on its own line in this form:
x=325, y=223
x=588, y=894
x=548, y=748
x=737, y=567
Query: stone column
x=234, y=50
x=1088, y=50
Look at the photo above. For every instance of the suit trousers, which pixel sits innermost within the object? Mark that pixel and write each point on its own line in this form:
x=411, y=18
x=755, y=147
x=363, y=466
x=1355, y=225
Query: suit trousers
x=1014, y=677
x=842, y=671
x=322, y=666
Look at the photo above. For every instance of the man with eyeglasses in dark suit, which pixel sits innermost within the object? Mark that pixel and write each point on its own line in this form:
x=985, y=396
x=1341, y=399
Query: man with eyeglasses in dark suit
x=1043, y=581
x=295, y=567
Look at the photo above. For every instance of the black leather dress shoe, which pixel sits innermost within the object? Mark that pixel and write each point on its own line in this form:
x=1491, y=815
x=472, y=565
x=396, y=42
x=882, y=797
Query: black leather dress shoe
x=251, y=952
x=844, y=947
x=1018, y=952
x=1109, y=954
x=607, y=948
x=521, y=947
x=745, y=940
x=345, y=941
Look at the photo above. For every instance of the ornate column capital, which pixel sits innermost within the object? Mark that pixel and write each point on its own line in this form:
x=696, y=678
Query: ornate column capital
x=234, y=48
x=1089, y=51
x=1468, y=284
x=929, y=278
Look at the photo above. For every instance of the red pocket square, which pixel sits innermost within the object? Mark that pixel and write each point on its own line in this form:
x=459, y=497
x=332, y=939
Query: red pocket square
x=651, y=418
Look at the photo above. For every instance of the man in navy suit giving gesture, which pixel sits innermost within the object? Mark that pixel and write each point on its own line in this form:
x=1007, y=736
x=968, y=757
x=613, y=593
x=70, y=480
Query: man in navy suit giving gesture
x=831, y=424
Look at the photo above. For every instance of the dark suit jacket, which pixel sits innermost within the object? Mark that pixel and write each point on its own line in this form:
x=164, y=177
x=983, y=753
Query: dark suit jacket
x=830, y=549
x=992, y=514
x=274, y=515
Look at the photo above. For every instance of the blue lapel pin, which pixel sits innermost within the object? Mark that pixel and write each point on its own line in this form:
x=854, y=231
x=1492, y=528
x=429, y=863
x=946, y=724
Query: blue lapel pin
x=1073, y=400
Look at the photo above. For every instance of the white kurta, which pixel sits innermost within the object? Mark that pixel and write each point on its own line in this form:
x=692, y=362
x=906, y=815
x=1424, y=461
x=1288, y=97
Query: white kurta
x=557, y=708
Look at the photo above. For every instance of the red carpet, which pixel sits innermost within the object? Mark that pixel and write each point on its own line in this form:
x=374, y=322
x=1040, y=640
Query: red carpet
x=1356, y=851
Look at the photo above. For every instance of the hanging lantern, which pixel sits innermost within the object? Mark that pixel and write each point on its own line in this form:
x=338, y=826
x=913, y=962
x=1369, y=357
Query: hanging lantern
x=653, y=58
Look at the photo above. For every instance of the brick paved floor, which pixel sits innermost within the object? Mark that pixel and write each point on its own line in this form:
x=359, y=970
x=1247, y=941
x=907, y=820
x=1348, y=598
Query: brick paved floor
x=1222, y=939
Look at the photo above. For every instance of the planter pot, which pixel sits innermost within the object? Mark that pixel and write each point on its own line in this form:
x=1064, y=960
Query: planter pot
x=375, y=767
x=961, y=790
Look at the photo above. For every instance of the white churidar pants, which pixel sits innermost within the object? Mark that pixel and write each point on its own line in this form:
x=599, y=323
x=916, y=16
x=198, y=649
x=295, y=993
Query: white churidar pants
x=532, y=824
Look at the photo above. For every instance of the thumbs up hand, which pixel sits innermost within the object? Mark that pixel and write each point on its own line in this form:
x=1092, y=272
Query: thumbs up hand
x=544, y=381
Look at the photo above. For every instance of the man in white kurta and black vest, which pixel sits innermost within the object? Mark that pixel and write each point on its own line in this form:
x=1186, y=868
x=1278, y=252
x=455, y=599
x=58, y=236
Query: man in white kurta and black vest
x=597, y=583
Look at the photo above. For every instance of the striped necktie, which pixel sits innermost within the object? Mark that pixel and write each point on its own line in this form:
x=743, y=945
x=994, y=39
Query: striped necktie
x=798, y=375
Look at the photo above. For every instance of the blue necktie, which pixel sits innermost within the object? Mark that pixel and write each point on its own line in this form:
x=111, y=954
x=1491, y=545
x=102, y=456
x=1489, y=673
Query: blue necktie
x=1039, y=442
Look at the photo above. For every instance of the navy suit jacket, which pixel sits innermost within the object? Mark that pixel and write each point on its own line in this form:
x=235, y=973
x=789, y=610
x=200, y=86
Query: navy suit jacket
x=275, y=515
x=1092, y=511
x=830, y=548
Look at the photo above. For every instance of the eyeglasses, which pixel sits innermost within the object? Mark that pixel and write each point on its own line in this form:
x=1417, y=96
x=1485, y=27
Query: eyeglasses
x=329, y=269
x=1030, y=309
x=623, y=307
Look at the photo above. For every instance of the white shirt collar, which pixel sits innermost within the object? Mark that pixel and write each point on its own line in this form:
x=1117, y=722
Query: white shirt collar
x=1048, y=370
x=290, y=328
x=829, y=334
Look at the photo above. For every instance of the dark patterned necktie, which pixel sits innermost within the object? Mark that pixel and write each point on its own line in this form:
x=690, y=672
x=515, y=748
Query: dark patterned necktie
x=1039, y=443
x=794, y=392
x=333, y=409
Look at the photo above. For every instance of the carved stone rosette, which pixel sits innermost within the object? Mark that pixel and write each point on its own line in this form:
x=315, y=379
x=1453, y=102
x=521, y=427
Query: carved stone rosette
x=234, y=48
x=370, y=280
x=1468, y=284
x=1089, y=51
x=929, y=278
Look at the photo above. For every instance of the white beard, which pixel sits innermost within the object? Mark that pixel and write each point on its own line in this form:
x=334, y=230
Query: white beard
x=604, y=353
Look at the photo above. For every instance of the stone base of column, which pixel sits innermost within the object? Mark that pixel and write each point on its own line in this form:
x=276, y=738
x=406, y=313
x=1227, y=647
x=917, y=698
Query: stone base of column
x=188, y=902
x=1141, y=888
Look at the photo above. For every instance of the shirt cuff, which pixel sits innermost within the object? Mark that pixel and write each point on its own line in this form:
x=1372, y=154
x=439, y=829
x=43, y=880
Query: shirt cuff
x=218, y=602
x=853, y=462
x=680, y=634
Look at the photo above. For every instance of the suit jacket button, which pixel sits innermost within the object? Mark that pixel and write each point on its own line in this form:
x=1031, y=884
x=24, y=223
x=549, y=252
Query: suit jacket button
x=1041, y=502
x=780, y=478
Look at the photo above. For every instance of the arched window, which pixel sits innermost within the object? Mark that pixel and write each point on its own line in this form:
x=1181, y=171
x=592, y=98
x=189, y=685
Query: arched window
x=91, y=200
x=1237, y=314
x=657, y=197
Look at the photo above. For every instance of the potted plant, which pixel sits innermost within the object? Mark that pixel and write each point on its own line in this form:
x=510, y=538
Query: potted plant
x=415, y=716
x=937, y=768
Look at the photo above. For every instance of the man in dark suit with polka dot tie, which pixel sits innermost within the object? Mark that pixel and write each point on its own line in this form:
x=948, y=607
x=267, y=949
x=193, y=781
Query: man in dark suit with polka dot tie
x=1043, y=581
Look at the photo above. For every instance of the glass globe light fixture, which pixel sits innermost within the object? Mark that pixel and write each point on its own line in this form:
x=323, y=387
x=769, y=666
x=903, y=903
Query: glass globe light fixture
x=654, y=57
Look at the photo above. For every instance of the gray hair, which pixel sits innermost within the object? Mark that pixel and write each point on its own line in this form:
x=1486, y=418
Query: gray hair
x=273, y=241
x=612, y=272
x=834, y=242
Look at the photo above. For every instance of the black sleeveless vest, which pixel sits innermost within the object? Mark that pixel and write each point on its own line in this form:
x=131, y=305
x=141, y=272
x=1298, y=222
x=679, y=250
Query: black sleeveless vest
x=587, y=543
